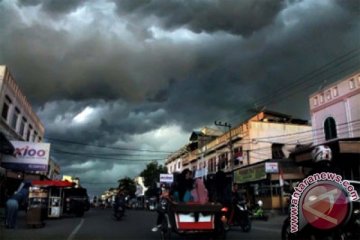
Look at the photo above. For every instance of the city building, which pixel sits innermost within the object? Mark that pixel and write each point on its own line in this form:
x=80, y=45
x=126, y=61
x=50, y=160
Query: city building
x=18, y=122
x=335, y=117
x=242, y=154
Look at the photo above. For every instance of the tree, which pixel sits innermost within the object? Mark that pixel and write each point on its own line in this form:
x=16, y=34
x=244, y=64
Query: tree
x=151, y=175
x=128, y=185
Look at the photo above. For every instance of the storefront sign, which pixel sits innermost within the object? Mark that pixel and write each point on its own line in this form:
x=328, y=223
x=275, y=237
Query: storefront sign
x=250, y=174
x=271, y=167
x=166, y=178
x=29, y=157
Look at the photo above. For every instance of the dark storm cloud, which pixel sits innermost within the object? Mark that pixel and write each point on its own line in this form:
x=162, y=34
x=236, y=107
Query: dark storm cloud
x=237, y=17
x=140, y=66
x=54, y=6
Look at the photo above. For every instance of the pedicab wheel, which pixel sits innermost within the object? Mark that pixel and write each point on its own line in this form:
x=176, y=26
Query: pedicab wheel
x=165, y=232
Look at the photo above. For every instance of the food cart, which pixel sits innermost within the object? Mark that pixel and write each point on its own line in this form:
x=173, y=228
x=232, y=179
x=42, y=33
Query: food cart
x=37, y=205
x=55, y=196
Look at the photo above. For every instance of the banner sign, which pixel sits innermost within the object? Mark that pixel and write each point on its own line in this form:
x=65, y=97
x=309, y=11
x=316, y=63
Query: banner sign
x=271, y=167
x=249, y=174
x=29, y=157
x=166, y=178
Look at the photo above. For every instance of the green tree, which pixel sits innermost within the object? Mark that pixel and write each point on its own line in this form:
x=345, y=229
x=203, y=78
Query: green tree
x=151, y=175
x=128, y=185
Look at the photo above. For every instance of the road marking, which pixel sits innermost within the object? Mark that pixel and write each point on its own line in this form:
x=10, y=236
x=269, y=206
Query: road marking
x=267, y=229
x=76, y=230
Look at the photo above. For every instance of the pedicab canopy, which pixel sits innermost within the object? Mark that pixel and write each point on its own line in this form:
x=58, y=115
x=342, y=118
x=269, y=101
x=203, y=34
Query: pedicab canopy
x=52, y=183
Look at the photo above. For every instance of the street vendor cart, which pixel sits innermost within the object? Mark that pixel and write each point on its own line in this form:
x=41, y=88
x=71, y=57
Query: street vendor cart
x=193, y=218
x=37, y=205
x=55, y=196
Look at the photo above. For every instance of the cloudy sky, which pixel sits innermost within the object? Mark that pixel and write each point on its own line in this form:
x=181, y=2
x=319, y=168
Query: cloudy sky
x=118, y=83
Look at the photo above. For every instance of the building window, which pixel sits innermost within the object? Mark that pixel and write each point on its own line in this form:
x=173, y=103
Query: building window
x=238, y=156
x=212, y=165
x=178, y=165
x=22, y=126
x=330, y=128
x=223, y=161
x=277, y=152
x=6, y=107
x=316, y=101
x=328, y=95
x=34, y=136
x=30, y=128
x=335, y=92
x=322, y=98
x=352, y=83
x=15, y=118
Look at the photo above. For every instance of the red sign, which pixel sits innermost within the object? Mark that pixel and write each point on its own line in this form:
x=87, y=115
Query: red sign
x=325, y=206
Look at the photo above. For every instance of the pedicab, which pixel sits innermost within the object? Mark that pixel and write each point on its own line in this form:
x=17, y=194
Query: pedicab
x=193, y=218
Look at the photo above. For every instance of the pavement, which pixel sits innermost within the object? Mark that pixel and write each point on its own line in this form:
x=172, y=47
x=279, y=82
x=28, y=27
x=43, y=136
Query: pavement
x=275, y=219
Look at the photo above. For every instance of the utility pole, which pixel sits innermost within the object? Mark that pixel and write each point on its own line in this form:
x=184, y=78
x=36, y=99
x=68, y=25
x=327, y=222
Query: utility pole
x=230, y=142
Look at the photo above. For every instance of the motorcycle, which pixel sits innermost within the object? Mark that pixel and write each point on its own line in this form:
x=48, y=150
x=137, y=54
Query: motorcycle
x=119, y=209
x=240, y=216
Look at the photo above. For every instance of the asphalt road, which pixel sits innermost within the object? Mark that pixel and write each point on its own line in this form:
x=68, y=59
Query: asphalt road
x=98, y=224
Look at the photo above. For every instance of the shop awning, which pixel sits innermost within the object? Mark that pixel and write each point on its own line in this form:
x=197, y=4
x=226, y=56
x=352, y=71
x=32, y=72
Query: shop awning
x=5, y=145
x=52, y=183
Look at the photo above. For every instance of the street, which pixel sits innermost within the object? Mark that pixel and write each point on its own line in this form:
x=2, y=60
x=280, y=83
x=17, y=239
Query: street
x=98, y=224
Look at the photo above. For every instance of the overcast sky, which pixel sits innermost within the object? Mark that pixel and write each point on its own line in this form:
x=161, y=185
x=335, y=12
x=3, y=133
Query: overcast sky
x=142, y=74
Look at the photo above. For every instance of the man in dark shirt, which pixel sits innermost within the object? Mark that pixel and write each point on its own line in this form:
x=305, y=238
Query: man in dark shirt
x=12, y=206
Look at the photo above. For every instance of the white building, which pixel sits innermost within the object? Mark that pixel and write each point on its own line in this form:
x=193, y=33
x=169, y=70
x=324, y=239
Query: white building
x=335, y=110
x=335, y=115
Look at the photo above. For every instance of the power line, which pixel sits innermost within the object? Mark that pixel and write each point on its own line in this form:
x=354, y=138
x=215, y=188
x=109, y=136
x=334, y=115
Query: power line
x=315, y=73
x=284, y=90
x=107, y=158
x=107, y=147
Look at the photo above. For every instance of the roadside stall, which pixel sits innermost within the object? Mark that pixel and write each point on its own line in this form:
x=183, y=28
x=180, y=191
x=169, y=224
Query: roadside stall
x=55, y=196
x=37, y=206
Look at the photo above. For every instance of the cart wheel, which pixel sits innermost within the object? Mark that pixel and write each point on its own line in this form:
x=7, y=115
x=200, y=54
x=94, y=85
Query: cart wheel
x=165, y=230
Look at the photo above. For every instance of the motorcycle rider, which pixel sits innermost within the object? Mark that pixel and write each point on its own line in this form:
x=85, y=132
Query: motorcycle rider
x=236, y=197
x=119, y=201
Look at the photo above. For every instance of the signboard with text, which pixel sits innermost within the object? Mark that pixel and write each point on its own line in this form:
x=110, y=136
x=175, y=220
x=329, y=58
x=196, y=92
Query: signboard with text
x=271, y=167
x=249, y=174
x=28, y=157
x=166, y=178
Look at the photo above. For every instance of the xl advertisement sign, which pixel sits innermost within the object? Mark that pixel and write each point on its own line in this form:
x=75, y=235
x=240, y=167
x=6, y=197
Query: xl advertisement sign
x=29, y=157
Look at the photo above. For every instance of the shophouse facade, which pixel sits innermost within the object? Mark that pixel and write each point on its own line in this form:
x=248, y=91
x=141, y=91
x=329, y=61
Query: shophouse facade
x=240, y=154
x=18, y=122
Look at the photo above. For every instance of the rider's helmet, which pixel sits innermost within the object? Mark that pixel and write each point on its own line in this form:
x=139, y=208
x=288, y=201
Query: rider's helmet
x=321, y=153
